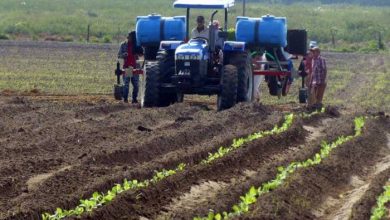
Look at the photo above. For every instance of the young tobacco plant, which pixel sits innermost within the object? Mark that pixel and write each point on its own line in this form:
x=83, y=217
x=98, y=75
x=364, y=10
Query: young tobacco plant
x=237, y=143
x=379, y=211
x=100, y=199
x=283, y=172
x=306, y=115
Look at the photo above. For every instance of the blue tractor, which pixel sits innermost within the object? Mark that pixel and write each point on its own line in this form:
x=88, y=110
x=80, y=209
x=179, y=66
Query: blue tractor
x=183, y=66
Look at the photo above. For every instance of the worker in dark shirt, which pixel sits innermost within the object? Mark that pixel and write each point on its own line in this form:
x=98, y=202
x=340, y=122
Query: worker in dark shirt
x=130, y=52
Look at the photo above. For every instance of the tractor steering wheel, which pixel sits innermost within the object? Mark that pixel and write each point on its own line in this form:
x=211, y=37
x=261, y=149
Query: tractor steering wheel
x=200, y=38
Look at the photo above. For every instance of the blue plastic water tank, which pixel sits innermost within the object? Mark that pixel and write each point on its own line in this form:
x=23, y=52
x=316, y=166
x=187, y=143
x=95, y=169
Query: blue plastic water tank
x=265, y=31
x=152, y=29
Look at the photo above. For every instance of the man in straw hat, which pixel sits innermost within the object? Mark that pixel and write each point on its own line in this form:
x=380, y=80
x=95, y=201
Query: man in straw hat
x=318, y=79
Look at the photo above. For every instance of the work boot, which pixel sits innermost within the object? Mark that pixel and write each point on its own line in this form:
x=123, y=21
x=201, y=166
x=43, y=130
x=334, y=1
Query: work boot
x=319, y=106
x=134, y=101
x=126, y=101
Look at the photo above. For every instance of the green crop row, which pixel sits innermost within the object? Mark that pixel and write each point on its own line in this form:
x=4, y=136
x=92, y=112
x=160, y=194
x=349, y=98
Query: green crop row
x=237, y=143
x=283, y=172
x=379, y=212
x=100, y=199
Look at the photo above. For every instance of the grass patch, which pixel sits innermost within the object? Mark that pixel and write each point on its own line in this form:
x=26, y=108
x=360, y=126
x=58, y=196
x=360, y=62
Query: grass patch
x=349, y=23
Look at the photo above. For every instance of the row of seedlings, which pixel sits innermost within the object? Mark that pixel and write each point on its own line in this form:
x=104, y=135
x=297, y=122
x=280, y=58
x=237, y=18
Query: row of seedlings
x=283, y=173
x=99, y=199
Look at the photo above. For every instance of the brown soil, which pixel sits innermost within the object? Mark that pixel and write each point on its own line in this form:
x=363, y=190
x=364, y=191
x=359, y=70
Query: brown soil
x=68, y=148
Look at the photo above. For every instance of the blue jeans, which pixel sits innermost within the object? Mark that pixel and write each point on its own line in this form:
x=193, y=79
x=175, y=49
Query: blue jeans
x=134, y=82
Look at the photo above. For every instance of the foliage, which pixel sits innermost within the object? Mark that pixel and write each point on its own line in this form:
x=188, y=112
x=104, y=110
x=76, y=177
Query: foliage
x=107, y=39
x=379, y=212
x=231, y=34
x=4, y=37
x=283, y=172
x=98, y=199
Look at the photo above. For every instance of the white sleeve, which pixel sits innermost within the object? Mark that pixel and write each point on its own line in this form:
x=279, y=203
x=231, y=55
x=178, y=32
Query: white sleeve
x=193, y=33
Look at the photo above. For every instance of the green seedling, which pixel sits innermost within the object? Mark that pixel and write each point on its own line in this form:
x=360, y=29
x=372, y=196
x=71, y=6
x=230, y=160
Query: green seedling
x=380, y=211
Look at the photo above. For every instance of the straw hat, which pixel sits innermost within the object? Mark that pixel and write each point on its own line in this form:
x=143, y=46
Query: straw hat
x=316, y=48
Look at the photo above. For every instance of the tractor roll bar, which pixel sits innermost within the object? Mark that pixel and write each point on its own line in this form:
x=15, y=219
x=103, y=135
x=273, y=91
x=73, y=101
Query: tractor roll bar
x=188, y=24
x=226, y=20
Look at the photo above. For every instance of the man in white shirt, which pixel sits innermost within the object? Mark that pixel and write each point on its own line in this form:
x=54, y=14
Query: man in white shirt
x=200, y=30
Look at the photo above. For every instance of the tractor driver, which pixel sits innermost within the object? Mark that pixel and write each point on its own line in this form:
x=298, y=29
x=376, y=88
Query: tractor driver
x=200, y=30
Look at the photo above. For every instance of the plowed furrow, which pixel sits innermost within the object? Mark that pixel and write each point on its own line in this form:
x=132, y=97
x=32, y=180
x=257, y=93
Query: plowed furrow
x=152, y=201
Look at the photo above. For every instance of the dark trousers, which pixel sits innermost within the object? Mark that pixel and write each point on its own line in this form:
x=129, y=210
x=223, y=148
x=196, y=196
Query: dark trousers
x=134, y=82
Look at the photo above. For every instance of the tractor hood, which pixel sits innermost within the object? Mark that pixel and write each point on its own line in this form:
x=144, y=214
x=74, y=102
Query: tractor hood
x=193, y=48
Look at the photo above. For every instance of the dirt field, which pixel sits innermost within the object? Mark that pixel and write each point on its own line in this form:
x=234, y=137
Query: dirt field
x=58, y=149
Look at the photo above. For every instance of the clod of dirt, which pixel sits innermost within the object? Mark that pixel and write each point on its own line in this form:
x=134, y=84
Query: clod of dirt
x=197, y=195
x=82, y=156
x=18, y=100
x=183, y=119
x=35, y=91
x=8, y=92
x=33, y=182
x=201, y=106
x=333, y=111
x=142, y=128
x=380, y=114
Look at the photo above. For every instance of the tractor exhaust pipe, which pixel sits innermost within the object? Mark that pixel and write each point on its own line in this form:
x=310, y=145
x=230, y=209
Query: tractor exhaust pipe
x=212, y=16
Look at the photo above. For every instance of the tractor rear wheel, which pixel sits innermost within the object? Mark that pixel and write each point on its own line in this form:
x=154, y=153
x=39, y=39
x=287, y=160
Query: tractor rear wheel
x=243, y=62
x=151, y=95
x=157, y=73
x=227, y=98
